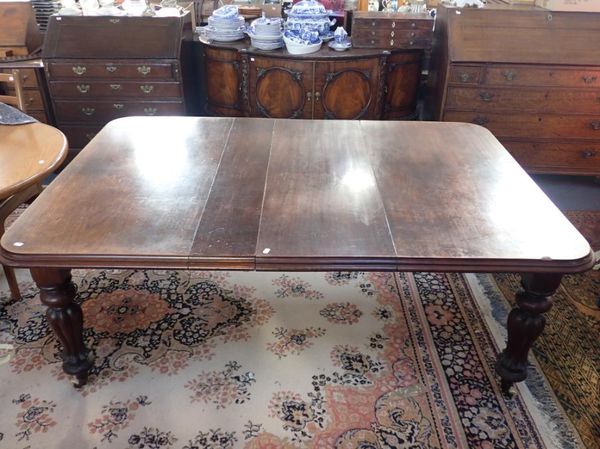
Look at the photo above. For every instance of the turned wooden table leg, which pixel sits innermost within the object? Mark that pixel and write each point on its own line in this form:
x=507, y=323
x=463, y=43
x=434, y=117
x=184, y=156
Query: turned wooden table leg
x=525, y=324
x=65, y=318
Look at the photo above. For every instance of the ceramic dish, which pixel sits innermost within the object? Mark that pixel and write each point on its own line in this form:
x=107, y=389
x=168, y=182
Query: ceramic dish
x=296, y=48
x=339, y=46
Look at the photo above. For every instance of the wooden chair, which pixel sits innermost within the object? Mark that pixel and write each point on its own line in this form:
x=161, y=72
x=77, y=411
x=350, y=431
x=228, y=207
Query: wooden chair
x=28, y=159
x=13, y=80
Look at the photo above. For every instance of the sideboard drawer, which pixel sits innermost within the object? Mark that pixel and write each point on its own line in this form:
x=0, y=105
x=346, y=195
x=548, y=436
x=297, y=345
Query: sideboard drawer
x=514, y=75
x=103, y=89
x=531, y=125
x=113, y=70
x=555, y=156
x=104, y=111
x=494, y=99
x=28, y=78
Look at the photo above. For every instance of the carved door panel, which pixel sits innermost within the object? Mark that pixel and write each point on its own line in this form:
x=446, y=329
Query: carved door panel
x=279, y=88
x=348, y=89
x=403, y=72
x=223, y=80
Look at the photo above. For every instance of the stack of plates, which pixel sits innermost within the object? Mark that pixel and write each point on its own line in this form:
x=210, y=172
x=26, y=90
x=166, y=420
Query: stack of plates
x=265, y=33
x=225, y=24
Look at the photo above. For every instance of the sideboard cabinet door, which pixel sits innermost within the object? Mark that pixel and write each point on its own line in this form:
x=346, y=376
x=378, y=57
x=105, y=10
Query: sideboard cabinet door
x=224, y=86
x=347, y=89
x=279, y=88
x=403, y=72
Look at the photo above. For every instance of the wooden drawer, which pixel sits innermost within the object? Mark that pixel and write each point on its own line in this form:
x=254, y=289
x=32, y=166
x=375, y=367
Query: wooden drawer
x=581, y=158
x=466, y=74
x=493, y=99
x=104, y=111
x=532, y=125
x=33, y=100
x=104, y=89
x=378, y=38
x=391, y=21
x=79, y=136
x=140, y=70
x=28, y=78
x=517, y=75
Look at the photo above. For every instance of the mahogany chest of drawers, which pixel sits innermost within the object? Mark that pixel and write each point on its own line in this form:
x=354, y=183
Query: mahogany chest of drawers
x=532, y=77
x=372, y=29
x=124, y=66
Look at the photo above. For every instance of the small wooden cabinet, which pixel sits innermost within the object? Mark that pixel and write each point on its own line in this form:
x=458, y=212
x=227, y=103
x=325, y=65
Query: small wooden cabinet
x=529, y=75
x=125, y=66
x=358, y=84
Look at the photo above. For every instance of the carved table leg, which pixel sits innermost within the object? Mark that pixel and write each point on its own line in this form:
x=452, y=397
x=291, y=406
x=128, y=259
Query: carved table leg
x=525, y=324
x=65, y=318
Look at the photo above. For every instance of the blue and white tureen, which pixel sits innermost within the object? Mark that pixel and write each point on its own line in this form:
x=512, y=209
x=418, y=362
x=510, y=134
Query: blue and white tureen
x=309, y=14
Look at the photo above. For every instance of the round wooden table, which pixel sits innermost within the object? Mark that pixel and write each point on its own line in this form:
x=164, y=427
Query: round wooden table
x=28, y=153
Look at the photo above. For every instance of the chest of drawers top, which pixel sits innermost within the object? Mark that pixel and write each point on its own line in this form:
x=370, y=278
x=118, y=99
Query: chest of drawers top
x=519, y=34
x=81, y=37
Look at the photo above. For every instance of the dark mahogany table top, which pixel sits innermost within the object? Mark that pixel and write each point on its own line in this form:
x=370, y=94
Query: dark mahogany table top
x=244, y=193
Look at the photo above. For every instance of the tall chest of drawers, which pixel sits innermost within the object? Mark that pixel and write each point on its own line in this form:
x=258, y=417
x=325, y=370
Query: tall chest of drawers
x=531, y=76
x=103, y=68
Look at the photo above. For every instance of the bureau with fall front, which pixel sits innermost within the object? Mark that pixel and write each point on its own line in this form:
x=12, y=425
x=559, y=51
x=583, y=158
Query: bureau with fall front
x=92, y=84
x=540, y=98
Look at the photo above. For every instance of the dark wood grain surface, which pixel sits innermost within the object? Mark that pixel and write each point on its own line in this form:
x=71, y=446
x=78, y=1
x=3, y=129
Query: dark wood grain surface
x=298, y=195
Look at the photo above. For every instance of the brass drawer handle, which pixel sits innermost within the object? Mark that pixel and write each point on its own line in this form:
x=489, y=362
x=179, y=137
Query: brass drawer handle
x=481, y=120
x=373, y=24
x=88, y=111
x=586, y=154
x=147, y=88
x=486, y=96
x=144, y=69
x=114, y=20
x=589, y=79
x=150, y=111
x=464, y=77
x=393, y=24
x=391, y=42
x=83, y=88
x=79, y=70
x=308, y=96
x=317, y=96
x=595, y=125
x=111, y=68
x=509, y=75
x=392, y=34
x=118, y=106
x=115, y=86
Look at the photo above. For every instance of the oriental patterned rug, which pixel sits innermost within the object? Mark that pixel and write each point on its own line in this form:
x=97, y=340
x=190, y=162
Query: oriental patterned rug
x=192, y=360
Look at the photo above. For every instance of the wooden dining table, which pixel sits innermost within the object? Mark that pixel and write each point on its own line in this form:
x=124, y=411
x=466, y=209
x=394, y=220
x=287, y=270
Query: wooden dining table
x=295, y=195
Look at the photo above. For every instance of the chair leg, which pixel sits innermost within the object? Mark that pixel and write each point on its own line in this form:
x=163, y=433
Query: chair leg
x=12, y=282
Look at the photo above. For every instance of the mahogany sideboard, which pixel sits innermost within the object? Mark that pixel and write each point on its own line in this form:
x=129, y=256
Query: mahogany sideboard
x=103, y=68
x=529, y=75
x=355, y=84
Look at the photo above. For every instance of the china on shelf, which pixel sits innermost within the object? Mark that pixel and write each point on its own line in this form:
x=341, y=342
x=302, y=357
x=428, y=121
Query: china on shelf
x=340, y=41
x=265, y=33
x=224, y=25
x=302, y=42
x=310, y=14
